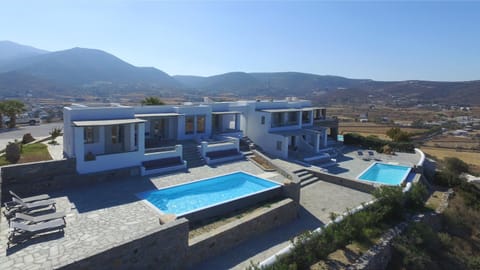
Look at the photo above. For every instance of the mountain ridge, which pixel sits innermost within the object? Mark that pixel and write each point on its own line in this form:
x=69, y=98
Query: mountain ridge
x=84, y=71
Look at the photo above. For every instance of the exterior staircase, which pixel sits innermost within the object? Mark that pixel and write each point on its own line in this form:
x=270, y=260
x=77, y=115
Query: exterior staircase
x=306, y=177
x=191, y=154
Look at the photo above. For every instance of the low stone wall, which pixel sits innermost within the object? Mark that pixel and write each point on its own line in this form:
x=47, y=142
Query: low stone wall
x=234, y=205
x=164, y=248
x=42, y=177
x=350, y=183
x=234, y=233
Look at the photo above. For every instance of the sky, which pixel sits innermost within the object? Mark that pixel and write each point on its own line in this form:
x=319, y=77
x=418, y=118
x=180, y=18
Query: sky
x=383, y=40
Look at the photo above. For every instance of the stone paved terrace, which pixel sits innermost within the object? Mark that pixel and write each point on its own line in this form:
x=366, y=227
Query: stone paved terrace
x=349, y=165
x=99, y=217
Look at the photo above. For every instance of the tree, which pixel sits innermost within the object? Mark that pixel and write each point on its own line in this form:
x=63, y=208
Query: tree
x=54, y=134
x=11, y=108
x=148, y=101
x=398, y=135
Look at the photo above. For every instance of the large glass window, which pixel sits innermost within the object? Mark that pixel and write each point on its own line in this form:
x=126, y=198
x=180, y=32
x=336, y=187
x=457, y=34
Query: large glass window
x=292, y=118
x=90, y=135
x=277, y=119
x=200, y=123
x=117, y=134
x=189, y=124
x=306, y=117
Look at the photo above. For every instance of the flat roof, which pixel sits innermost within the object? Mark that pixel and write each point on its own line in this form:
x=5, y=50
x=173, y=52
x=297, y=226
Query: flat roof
x=291, y=109
x=90, y=123
x=227, y=112
x=281, y=110
x=157, y=114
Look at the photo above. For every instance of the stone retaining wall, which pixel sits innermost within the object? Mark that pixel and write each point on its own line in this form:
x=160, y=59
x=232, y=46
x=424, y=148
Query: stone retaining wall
x=168, y=247
x=234, y=233
x=164, y=248
x=350, y=183
x=42, y=177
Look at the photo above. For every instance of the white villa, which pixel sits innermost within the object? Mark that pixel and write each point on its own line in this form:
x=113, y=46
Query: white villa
x=154, y=138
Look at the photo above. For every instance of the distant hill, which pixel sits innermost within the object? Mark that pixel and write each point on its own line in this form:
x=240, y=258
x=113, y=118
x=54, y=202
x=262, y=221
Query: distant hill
x=10, y=51
x=80, y=67
x=274, y=83
x=27, y=71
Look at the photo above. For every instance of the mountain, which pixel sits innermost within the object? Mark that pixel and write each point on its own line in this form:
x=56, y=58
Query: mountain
x=16, y=85
x=83, y=67
x=274, y=83
x=10, y=51
x=27, y=71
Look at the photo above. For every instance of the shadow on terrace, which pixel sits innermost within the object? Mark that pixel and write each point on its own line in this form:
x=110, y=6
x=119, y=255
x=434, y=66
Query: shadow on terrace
x=111, y=193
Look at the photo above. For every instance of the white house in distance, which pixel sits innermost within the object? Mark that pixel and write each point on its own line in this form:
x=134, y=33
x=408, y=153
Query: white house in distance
x=155, y=138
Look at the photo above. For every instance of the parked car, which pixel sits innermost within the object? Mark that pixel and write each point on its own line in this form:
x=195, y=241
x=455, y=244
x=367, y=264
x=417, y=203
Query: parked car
x=26, y=120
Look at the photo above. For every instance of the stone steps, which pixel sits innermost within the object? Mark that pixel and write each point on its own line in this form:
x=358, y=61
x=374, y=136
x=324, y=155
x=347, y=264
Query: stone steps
x=306, y=177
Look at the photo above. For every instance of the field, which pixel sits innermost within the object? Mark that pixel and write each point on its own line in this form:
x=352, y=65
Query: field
x=471, y=158
x=455, y=142
x=367, y=129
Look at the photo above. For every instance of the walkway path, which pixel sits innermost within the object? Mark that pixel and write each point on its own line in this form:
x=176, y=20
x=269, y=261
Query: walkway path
x=317, y=202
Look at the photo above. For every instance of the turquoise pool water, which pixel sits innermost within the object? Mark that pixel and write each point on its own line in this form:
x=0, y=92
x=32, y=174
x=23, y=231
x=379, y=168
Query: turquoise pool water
x=386, y=174
x=186, y=198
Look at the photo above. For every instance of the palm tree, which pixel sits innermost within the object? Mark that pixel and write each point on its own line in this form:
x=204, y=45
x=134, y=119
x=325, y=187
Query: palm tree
x=152, y=101
x=11, y=108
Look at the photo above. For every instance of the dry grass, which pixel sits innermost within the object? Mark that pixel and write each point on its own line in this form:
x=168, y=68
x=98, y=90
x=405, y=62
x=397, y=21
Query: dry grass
x=434, y=200
x=368, y=129
x=471, y=158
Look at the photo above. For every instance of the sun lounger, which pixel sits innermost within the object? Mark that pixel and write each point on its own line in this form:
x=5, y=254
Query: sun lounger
x=24, y=231
x=30, y=199
x=371, y=154
x=13, y=204
x=26, y=207
x=40, y=218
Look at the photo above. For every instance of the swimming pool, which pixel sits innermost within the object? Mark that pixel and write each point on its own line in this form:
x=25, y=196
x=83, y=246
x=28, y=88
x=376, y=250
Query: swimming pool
x=386, y=174
x=194, y=196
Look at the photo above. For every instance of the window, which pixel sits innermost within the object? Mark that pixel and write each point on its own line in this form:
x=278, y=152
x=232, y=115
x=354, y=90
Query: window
x=262, y=120
x=200, y=123
x=277, y=119
x=306, y=117
x=292, y=117
x=117, y=134
x=279, y=145
x=189, y=120
x=90, y=135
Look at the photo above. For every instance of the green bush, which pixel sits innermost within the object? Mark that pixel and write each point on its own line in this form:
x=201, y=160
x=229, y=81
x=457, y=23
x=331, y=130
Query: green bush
x=376, y=143
x=27, y=138
x=13, y=152
x=415, y=198
x=456, y=165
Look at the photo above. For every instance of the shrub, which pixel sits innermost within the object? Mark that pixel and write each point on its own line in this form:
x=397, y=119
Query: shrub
x=27, y=138
x=13, y=152
x=415, y=199
x=456, y=165
x=397, y=135
x=373, y=142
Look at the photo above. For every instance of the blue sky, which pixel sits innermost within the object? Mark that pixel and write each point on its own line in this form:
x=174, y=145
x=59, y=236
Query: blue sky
x=378, y=40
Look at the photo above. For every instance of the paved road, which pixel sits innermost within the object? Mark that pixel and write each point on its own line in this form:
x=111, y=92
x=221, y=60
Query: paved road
x=42, y=130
